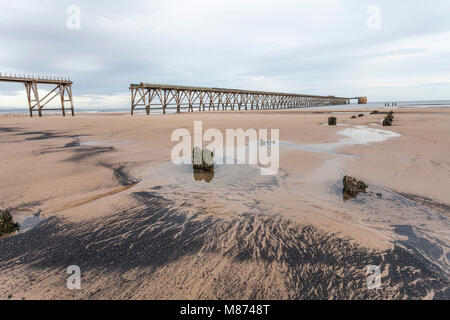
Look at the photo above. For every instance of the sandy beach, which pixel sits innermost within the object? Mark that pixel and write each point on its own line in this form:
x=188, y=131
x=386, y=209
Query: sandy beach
x=100, y=191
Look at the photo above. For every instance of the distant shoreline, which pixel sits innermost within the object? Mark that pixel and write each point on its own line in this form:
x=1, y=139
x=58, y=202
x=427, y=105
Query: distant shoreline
x=370, y=105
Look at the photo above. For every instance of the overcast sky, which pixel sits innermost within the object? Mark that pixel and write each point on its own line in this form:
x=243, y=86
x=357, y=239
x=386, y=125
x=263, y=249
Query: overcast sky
x=323, y=47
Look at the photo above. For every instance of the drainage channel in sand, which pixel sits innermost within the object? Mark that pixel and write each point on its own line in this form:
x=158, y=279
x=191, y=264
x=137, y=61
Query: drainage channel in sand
x=83, y=201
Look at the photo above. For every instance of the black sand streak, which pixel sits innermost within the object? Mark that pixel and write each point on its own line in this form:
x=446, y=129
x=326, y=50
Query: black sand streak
x=433, y=204
x=59, y=149
x=27, y=205
x=83, y=153
x=119, y=173
x=75, y=143
x=91, y=247
x=43, y=135
x=418, y=243
x=157, y=234
x=9, y=129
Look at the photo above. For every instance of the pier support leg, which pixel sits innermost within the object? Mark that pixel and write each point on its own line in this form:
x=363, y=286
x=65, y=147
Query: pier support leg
x=69, y=92
x=36, y=97
x=28, y=89
x=132, y=101
x=62, y=89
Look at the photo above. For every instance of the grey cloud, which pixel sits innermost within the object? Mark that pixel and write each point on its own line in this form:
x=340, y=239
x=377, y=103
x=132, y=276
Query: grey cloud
x=311, y=53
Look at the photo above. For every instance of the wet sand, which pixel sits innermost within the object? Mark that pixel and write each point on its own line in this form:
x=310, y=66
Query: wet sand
x=99, y=191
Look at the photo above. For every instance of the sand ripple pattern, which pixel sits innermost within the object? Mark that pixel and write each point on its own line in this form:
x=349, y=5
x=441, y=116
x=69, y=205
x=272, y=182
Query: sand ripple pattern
x=159, y=251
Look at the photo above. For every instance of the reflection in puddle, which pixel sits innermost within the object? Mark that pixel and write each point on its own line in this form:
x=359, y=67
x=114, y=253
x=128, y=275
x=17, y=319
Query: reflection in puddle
x=337, y=125
x=347, y=196
x=359, y=135
x=349, y=112
x=201, y=175
x=237, y=177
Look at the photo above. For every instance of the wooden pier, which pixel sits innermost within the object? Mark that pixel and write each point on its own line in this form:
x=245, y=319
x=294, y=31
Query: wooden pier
x=63, y=89
x=145, y=96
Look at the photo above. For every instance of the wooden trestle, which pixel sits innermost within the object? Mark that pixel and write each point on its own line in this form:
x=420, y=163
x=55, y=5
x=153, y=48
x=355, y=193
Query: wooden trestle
x=63, y=89
x=145, y=96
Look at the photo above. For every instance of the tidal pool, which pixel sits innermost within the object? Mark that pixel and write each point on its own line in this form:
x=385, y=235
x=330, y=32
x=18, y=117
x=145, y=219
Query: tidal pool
x=359, y=135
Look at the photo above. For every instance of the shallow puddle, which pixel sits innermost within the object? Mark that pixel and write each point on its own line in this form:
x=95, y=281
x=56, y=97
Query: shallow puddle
x=349, y=112
x=359, y=135
x=336, y=125
x=228, y=177
x=27, y=220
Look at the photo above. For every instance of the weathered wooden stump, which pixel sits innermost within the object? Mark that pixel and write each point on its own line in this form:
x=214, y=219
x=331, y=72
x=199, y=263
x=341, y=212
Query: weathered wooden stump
x=203, y=164
x=332, y=121
x=202, y=159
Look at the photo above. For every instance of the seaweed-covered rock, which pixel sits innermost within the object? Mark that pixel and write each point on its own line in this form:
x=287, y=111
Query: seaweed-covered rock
x=361, y=115
x=202, y=159
x=387, y=122
x=374, y=112
x=7, y=224
x=353, y=117
x=353, y=187
x=332, y=121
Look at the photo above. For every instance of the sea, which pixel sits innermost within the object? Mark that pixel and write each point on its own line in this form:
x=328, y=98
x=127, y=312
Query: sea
x=369, y=105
